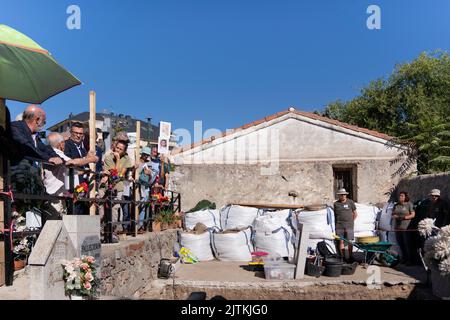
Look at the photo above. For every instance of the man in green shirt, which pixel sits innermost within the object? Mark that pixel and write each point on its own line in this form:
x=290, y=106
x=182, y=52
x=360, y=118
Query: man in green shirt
x=344, y=215
x=118, y=159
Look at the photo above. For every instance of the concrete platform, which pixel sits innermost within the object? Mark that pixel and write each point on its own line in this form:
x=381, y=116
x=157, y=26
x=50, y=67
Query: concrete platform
x=233, y=280
x=224, y=271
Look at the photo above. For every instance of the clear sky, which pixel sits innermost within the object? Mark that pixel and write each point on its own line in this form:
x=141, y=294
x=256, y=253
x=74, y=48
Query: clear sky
x=225, y=62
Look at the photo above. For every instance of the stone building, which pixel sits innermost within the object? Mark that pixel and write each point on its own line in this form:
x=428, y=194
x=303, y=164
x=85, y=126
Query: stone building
x=291, y=152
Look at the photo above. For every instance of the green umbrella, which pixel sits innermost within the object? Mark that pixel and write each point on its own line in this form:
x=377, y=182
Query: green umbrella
x=28, y=73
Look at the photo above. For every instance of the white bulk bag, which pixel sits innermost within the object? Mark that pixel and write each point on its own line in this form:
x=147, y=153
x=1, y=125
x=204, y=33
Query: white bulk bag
x=283, y=215
x=364, y=227
x=210, y=218
x=199, y=244
x=272, y=234
x=366, y=214
x=233, y=246
x=320, y=223
x=235, y=217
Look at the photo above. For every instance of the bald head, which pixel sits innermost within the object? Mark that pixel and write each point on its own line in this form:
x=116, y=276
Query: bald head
x=34, y=117
x=56, y=140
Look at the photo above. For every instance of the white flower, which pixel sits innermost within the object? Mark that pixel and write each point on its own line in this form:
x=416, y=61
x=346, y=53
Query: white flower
x=444, y=267
x=429, y=244
x=69, y=268
x=21, y=228
x=442, y=248
x=445, y=231
x=426, y=227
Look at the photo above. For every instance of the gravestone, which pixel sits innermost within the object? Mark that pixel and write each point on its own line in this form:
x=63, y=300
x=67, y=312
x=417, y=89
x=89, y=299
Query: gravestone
x=84, y=231
x=52, y=248
x=91, y=246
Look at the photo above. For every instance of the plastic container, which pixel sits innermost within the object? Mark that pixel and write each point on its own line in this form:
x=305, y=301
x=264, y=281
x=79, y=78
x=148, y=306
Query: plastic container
x=279, y=271
x=314, y=270
x=333, y=267
x=349, y=269
x=272, y=259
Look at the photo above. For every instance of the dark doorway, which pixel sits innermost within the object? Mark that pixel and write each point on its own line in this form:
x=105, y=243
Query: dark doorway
x=344, y=178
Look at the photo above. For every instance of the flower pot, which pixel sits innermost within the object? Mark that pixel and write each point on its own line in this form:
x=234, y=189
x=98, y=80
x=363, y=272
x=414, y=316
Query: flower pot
x=19, y=264
x=440, y=284
x=75, y=297
x=156, y=226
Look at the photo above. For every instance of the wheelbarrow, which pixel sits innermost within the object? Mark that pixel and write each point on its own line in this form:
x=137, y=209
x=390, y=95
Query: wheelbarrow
x=380, y=251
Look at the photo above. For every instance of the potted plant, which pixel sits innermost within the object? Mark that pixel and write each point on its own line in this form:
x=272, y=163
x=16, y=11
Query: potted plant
x=21, y=246
x=80, y=278
x=437, y=255
x=168, y=219
x=21, y=251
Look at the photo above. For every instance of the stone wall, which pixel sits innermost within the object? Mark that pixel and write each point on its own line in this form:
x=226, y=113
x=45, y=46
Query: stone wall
x=419, y=187
x=129, y=265
x=312, y=180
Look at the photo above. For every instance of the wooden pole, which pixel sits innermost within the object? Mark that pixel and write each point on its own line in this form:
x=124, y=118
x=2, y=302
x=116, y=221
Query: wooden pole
x=92, y=143
x=137, y=156
x=2, y=179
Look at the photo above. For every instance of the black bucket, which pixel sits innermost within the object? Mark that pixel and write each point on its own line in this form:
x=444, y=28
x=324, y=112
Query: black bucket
x=314, y=270
x=333, y=267
x=349, y=269
x=333, y=270
x=333, y=260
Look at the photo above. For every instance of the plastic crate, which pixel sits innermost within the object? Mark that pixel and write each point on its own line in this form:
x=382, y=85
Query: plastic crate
x=279, y=271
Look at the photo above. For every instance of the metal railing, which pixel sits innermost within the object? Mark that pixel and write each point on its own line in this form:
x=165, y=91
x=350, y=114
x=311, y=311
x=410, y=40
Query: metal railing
x=150, y=207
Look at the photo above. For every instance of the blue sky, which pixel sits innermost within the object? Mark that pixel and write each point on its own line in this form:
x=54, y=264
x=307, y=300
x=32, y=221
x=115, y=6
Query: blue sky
x=223, y=62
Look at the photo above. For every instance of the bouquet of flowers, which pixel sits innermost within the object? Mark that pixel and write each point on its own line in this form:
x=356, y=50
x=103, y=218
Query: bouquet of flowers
x=81, y=190
x=159, y=198
x=19, y=222
x=437, y=245
x=21, y=248
x=114, y=178
x=80, y=277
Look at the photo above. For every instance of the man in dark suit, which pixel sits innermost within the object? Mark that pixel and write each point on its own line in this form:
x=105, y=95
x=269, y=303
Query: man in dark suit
x=74, y=148
x=25, y=134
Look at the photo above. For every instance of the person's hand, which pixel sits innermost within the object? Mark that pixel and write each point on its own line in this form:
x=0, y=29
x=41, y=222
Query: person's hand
x=69, y=162
x=116, y=155
x=55, y=160
x=147, y=171
x=92, y=158
x=91, y=153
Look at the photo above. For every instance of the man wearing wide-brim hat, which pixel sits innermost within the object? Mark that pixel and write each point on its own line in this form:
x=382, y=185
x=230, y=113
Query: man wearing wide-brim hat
x=438, y=209
x=344, y=216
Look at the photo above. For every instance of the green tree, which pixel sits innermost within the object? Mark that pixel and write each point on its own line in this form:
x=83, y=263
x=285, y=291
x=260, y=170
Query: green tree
x=412, y=104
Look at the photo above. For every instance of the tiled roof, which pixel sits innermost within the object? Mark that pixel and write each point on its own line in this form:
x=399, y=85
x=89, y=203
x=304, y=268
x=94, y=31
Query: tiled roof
x=282, y=113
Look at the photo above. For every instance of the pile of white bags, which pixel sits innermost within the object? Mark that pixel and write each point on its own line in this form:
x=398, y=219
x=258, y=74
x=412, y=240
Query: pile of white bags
x=365, y=221
x=235, y=217
x=273, y=234
x=233, y=246
x=210, y=218
x=198, y=244
x=320, y=223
